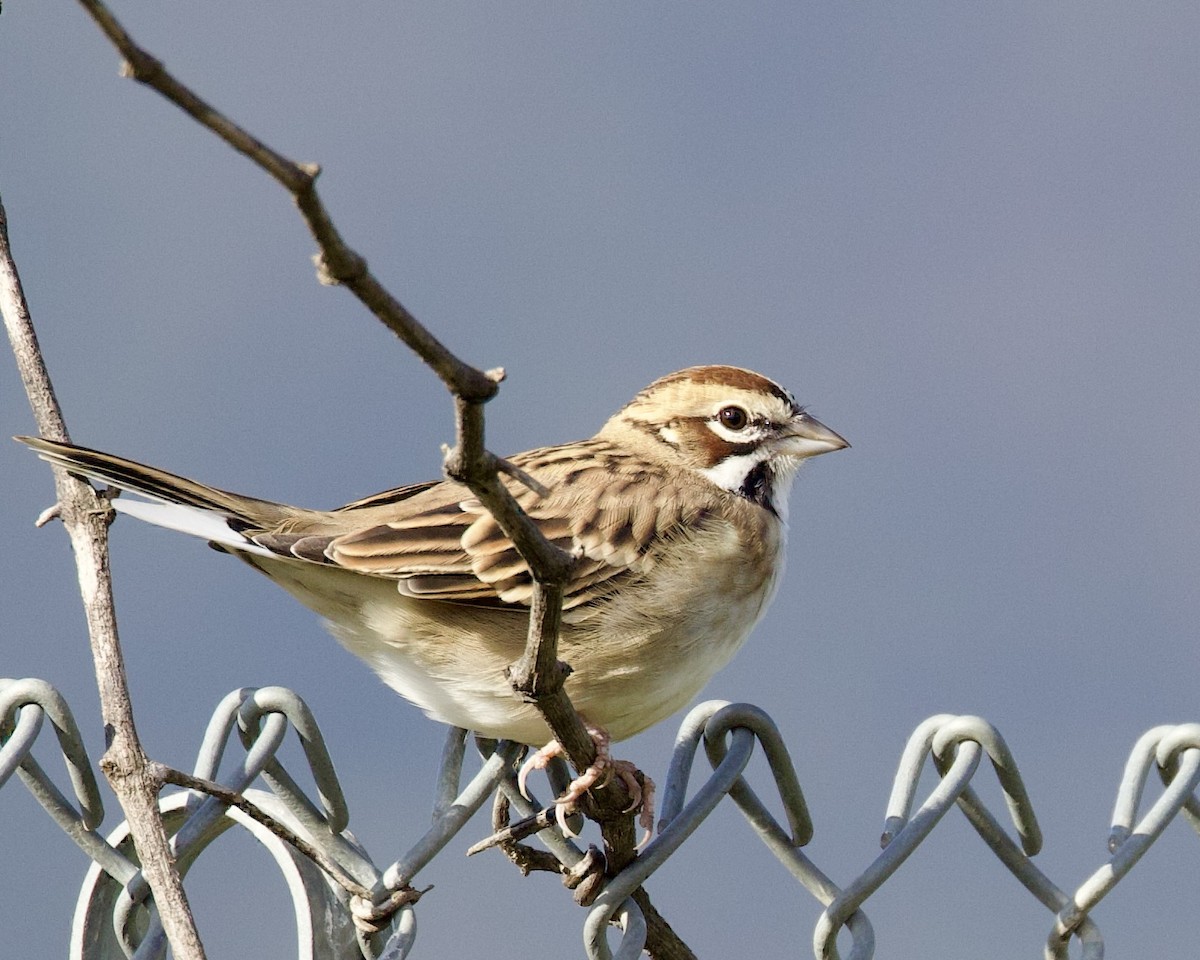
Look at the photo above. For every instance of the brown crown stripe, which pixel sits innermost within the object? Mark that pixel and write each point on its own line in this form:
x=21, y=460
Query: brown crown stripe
x=717, y=375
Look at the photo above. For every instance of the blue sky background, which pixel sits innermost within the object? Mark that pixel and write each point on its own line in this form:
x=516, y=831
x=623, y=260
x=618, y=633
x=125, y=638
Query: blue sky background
x=966, y=235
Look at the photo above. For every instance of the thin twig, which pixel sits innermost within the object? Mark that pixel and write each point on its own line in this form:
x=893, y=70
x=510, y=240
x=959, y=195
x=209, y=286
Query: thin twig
x=537, y=676
x=166, y=774
x=375, y=913
x=86, y=518
x=468, y=462
x=516, y=832
x=525, y=858
x=338, y=263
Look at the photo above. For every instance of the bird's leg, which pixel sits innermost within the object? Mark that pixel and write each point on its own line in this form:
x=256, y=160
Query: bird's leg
x=602, y=770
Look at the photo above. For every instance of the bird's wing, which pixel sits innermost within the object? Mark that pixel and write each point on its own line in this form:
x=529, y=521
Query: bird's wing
x=434, y=539
x=603, y=508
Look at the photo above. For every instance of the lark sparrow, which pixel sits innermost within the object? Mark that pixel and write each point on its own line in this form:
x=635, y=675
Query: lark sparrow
x=677, y=508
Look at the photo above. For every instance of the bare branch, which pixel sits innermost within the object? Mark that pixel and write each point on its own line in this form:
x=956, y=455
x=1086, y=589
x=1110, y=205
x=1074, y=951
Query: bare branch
x=662, y=942
x=86, y=517
x=516, y=832
x=166, y=774
x=337, y=263
x=468, y=462
x=537, y=676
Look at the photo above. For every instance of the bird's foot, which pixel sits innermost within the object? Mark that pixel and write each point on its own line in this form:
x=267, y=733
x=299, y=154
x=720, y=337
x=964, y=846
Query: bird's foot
x=602, y=770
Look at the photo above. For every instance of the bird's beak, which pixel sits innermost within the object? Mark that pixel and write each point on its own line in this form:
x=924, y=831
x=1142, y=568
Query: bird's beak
x=807, y=437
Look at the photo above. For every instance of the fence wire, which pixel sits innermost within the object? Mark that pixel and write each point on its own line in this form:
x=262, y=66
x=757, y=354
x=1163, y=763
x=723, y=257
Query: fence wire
x=115, y=917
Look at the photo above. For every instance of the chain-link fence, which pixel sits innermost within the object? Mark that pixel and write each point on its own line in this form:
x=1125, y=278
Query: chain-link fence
x=346, y=906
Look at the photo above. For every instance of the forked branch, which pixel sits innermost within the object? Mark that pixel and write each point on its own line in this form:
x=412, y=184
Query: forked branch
x=469, y=461
x=537, y=676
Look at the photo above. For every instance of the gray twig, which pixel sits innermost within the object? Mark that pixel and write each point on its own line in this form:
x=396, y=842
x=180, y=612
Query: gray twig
x=537, y=675
x=86, y=517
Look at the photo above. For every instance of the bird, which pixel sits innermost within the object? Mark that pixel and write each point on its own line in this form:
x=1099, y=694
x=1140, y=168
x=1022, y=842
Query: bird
x=676, y=512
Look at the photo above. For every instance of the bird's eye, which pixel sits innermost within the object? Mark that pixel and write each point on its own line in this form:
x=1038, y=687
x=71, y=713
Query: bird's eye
x=735, y=418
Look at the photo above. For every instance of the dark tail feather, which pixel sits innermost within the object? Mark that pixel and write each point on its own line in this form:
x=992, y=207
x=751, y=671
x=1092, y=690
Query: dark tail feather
x=157, y=484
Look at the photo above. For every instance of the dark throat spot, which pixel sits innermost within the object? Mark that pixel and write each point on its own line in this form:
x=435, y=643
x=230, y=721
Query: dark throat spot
x=757, y=486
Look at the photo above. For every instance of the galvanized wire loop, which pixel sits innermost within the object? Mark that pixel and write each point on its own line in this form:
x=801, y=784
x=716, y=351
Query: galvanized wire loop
x=217, y=732
x=1133, y=782
x=719, y=721
x=1016, y=797
x=24, y=705
x=449, y=773
x=115, y=919
x=200, y=829
x=957, y=745
x=729, y=732
x=449, y=818
x=1182, y=737
x=901, y=844
x=30, y=692
x=711, y=721
x=745, y=716
x=936, y=736
x=263, y=716
x=1178, y=751
x=17, y=735
x=628, y=916
x=267, y=700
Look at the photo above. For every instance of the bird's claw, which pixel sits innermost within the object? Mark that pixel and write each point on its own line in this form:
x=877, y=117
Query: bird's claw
x=599, y=774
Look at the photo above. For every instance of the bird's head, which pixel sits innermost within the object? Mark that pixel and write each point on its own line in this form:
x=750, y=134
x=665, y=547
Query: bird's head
x=736, y=428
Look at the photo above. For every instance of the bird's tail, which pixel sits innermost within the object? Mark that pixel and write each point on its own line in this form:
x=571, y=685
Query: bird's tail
x=176, y=502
